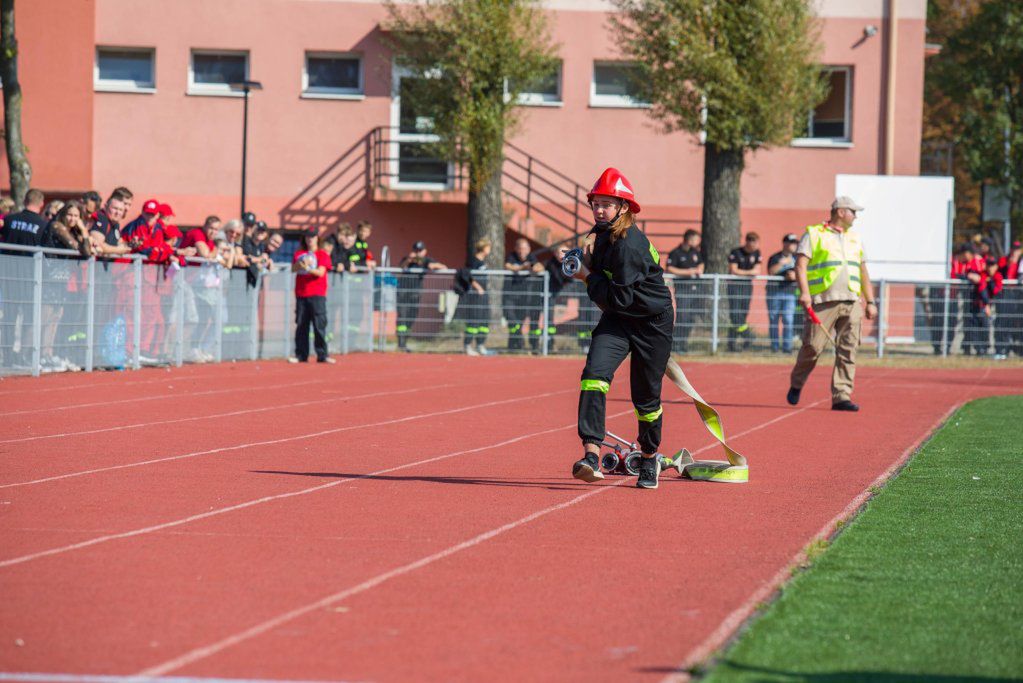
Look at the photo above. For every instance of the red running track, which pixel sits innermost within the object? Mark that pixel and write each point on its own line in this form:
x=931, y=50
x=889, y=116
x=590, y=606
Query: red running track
x=411, y=517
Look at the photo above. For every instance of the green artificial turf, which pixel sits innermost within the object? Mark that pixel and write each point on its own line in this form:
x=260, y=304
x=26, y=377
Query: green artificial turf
x=926, y=584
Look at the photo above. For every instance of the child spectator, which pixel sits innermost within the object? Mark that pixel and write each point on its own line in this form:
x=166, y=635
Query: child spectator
x=346, y=254
x=311, y=265
x=363, y=231
x=475, y=303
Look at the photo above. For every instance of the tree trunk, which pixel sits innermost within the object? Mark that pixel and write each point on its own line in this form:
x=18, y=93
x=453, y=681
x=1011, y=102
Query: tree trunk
x=17, y=162
x=486, y=217
x=722, y=171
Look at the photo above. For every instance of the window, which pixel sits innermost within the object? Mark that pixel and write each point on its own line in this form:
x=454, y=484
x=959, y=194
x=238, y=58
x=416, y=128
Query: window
x=616, y=84
x=332, y=74
x=829, y=123
x=125, y=69
x=544, y=90
x=212, y=72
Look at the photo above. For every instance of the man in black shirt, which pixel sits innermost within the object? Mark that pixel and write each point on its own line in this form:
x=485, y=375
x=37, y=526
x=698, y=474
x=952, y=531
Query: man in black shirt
x=521, y=295
x=781, y=296
x=410, y=283
x=743, y=262
x=26, y=228
x=685, y=263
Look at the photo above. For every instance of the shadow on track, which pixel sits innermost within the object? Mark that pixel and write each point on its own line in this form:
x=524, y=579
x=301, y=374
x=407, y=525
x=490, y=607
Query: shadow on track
x=462, y=481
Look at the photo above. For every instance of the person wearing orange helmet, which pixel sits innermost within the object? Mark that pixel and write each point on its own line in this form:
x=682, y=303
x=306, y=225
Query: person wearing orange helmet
x=624, y=279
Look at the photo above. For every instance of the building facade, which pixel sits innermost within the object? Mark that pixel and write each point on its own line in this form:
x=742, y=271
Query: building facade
x=120, y=92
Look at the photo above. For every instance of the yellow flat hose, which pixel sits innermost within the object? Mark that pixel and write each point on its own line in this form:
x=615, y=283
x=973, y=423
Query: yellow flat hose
x=710, y=417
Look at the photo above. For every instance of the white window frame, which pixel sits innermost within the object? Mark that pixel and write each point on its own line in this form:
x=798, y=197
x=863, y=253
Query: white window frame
x=101, y=85
x=215, y=89
x=536, y=99
x=394, y=148
x=333, y=93
x=845, y=141
x=612, y=101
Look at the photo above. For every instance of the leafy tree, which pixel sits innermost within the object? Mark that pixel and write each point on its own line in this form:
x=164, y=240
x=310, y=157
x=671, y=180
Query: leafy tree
x=17, y=162
x=742, y=74
x=980, y=71
x=474, y=57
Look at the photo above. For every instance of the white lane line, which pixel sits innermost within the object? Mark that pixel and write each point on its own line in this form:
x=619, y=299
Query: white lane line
x=208, y=650
x=91, y=678
x=280, y=406
x=280, y=496
x=173, y=396
x=204, y=652
x=286, y=439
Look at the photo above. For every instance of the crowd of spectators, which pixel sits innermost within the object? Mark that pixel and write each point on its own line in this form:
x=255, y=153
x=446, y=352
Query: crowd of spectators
x=988, y=314
x=91, y=227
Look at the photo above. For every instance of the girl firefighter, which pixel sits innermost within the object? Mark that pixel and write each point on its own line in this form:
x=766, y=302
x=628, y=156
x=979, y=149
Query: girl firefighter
x=624, y=279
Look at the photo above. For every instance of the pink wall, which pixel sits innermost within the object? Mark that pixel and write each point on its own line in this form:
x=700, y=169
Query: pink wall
x=186, y=149
x=55, y=59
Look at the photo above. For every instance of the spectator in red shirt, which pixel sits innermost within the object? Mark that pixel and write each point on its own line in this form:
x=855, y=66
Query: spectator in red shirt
x=987, y=286
x=1009, y=318
x=144, y=236
x=202, y=239
x=311, y=265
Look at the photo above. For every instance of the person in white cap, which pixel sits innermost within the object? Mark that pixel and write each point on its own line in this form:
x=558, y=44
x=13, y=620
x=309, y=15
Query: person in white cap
x=831, y=269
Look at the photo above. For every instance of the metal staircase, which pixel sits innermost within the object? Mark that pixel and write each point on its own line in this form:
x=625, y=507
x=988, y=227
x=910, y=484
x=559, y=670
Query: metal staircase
x=540, y=202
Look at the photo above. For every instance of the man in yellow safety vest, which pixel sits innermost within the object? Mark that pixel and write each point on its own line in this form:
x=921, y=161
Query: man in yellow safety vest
x=831, y=269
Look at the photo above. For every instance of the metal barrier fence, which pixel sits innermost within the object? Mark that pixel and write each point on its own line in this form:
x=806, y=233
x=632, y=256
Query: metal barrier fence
x=60, y=312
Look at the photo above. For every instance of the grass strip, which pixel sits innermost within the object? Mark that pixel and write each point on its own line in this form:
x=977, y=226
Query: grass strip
x=925, y=584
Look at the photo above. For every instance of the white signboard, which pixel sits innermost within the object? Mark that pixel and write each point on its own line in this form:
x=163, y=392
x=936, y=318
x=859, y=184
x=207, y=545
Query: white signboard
x=906, y=223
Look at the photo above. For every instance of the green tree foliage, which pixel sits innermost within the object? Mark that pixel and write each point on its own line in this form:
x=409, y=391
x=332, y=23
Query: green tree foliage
x=981, y=70
x=474, y=57
x=742, y=73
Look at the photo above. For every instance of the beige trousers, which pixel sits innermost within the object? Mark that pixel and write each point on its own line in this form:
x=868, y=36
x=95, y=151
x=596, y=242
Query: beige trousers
x=842, y=319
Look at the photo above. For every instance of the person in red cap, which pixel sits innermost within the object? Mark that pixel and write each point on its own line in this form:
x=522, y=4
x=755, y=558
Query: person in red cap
x=171, y=233
x=312, y=265
x=624, y=279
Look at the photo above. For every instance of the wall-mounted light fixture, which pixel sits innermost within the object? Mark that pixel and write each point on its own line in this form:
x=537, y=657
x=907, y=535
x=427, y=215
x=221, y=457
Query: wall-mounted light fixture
x=869, y=31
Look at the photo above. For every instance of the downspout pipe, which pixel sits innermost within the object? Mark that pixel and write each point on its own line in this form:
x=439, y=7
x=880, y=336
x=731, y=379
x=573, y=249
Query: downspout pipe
x=891, y=63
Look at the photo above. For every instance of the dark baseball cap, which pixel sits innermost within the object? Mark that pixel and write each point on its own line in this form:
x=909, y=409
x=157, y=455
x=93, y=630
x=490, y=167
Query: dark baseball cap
x=249, y=218
x=261, y=225
x=311, y=232
x=419, y=246
x=791, y=237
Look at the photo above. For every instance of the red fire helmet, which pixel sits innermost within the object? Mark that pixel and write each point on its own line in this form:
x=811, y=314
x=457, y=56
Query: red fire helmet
x=613, y=184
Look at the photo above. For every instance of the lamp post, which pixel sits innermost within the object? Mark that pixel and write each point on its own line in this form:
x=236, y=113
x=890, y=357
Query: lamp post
x=245, y=87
